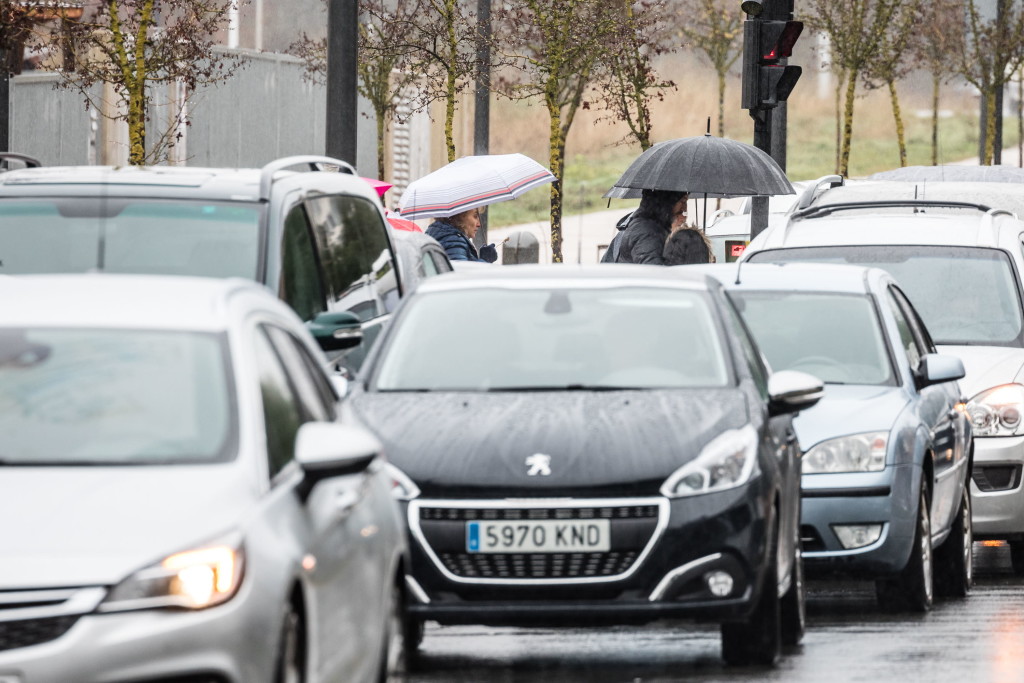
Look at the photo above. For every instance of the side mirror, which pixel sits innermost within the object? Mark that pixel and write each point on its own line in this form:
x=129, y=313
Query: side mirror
x=336, y=330
x=790, y=391
x=936, y=368
x=328, y=449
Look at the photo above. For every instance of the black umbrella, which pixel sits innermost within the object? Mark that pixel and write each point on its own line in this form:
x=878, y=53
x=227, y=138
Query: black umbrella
x=706, y=165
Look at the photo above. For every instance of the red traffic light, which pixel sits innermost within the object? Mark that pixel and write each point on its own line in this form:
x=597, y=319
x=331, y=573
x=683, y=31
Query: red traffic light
x=778, y=38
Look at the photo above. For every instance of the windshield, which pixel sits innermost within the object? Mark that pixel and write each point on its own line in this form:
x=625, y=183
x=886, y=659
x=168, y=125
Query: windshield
x=554, y=339
x=120, y=397
x=836, y=337
x=172, y=237
x=965, y=295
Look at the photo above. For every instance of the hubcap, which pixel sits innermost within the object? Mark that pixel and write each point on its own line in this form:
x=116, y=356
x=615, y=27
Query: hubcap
x=926, y=550
x=968, y=541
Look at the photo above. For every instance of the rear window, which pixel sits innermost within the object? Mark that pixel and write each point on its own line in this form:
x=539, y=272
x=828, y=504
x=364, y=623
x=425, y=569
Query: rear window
x=965, y=295
x=117, y=235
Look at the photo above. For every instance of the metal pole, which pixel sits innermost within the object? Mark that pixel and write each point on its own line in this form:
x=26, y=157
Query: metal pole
x=763, y=141
x=482, y=99
x=5, y=103
x=342, y=79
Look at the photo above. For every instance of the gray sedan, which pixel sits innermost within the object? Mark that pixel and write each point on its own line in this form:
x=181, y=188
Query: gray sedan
x=887, y=451
x=179, y=499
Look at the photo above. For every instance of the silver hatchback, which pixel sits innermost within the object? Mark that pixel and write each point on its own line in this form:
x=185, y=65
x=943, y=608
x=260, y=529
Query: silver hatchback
x=179, y=498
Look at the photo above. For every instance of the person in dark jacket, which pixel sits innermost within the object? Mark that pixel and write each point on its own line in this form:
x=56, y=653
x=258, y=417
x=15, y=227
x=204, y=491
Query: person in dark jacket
x=684, y=246
x=456, y=233
x=643, y=239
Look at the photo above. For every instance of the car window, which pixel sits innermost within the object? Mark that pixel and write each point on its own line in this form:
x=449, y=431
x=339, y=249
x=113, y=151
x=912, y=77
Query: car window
x=921, y=334
x=540, y=338
x=357, y=257
x=282, y=409
x=308, y=381
x=301, y=286
x=965, y=295
x=910, y=345
x=115, y=397
x=116, y=235
x=751, y=354
x=442, y=263
x=427, y=266
x=834, y=336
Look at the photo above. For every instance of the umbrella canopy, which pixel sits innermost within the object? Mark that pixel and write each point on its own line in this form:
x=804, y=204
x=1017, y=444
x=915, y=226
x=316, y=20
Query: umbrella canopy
x=379, y=185
x=971, y=174
x=717, y=167
x=402, y=224
x=472, y=182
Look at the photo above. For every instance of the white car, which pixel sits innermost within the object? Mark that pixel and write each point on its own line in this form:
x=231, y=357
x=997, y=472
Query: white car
x=180, y=500
x=960, y=262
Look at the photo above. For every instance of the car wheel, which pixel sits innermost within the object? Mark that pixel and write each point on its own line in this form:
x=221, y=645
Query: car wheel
x=291, y=654
x=794, y=606
x=1017, y=557
x=401, y=639
x=954, y=560
x=758, y=640
x=912, y=590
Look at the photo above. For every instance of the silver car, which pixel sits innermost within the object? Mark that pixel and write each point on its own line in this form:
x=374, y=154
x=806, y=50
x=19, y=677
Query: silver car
x=179, y=498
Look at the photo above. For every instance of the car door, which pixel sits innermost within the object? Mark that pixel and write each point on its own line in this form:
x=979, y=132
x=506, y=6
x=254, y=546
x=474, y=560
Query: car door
x=935, y=406
x=339, y=570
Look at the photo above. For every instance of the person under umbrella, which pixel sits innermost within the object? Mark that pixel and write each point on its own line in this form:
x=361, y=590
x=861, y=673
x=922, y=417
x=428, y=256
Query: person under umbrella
x=642, y=239
x=456, y=233
x=685, y=246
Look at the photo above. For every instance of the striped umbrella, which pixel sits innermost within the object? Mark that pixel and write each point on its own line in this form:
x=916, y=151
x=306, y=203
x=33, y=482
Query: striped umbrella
x=471, y=182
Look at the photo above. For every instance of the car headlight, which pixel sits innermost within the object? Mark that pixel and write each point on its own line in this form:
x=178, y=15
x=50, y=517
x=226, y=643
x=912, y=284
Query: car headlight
x=402, y=487
x=997, y=411
x=193, y=579
x=726, y=462
x=854, y=453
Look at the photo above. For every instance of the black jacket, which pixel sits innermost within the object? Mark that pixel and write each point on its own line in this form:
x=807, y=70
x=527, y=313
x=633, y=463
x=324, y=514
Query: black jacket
x=643, y=241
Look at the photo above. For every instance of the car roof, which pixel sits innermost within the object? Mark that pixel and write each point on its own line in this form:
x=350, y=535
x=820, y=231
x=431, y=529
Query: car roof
x=997, y=195
x=527, y=276
x=177, y=182
x=801, y=277
x=102, y=300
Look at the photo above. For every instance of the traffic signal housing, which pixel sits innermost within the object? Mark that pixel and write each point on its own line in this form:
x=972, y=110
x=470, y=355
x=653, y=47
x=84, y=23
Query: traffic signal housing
x=767, y=79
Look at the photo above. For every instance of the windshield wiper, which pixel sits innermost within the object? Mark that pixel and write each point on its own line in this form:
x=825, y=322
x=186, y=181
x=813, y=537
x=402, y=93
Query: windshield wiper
x=565, y=387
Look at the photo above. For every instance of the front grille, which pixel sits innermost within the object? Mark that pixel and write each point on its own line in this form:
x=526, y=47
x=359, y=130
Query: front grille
x=15, y=634
x=990, y=478
x=631, y=527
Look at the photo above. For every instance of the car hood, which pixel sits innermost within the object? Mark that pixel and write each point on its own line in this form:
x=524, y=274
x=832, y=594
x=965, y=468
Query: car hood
x=849, y=409
x=987, y=366
x=87, y=526
x=600, y=443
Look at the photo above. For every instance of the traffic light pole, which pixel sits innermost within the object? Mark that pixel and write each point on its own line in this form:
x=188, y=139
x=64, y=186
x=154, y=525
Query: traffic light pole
x=342, y=79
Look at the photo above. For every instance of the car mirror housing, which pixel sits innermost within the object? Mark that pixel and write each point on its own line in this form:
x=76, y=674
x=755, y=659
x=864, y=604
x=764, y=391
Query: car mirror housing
x=790, y=391
x=936, y=368
x=327, y=449
x=336, y=330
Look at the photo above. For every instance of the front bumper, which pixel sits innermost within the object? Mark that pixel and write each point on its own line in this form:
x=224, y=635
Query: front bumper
x=230, y=643
x=885, y=498
x=996, y=495
x=694, y=536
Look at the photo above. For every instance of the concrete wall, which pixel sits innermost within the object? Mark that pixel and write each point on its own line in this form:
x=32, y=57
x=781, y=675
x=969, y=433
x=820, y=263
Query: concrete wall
x=51, y=125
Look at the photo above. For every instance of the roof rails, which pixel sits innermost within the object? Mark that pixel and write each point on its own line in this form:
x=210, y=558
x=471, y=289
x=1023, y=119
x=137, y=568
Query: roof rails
x=7, y=157
x=811, y=191
x=313, y=161
x=826, y=209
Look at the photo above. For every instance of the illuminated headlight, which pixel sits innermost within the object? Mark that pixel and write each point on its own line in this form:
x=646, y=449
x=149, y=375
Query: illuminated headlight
x=997, y=411
x=725, y=463
x=194, y=579
x=855, y=453
x=402, y=487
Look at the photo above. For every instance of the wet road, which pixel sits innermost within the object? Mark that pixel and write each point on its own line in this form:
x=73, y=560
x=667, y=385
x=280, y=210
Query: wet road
x=980, y=639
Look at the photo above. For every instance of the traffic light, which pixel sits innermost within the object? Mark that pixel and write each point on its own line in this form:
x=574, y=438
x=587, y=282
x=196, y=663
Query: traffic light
x=767, y=79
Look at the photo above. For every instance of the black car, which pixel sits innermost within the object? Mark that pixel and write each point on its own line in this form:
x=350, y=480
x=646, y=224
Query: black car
x=589, y=446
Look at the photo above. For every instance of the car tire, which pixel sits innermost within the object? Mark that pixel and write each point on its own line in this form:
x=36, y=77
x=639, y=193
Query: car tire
x=913, y=589
x=758, y=640
x=794, y=602
x=954, y=560
x=1017, y=557
x=401, y=638
x=290, y=664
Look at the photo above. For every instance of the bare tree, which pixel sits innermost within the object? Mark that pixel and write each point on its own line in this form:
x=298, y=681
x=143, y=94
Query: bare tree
x=628, y=81
x=931, y=49
x=715, y=29
x=556, y=48
x=854, y=29
x=136, y=45
x=986, y=53
x=893, y=60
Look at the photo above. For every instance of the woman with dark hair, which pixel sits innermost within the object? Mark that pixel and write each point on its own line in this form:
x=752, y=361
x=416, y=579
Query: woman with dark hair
x=643, y=238
x=685, y=246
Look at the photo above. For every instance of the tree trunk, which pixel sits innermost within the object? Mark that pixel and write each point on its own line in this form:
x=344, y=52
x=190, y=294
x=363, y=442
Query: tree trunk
x=137, y=124
x=381, y=136
x=936, y=85
x=840, y=80
x=901, y=140
x=1020, y=117
x=556, y=149
x=449, y=116
x=721, y=104
x=844, y=153
x=990, y=126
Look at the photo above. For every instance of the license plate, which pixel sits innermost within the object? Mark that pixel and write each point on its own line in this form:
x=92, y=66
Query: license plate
x=539, y=536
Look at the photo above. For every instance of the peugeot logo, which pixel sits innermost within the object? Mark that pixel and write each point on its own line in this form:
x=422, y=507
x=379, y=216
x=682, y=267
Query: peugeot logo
x=539, y=464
